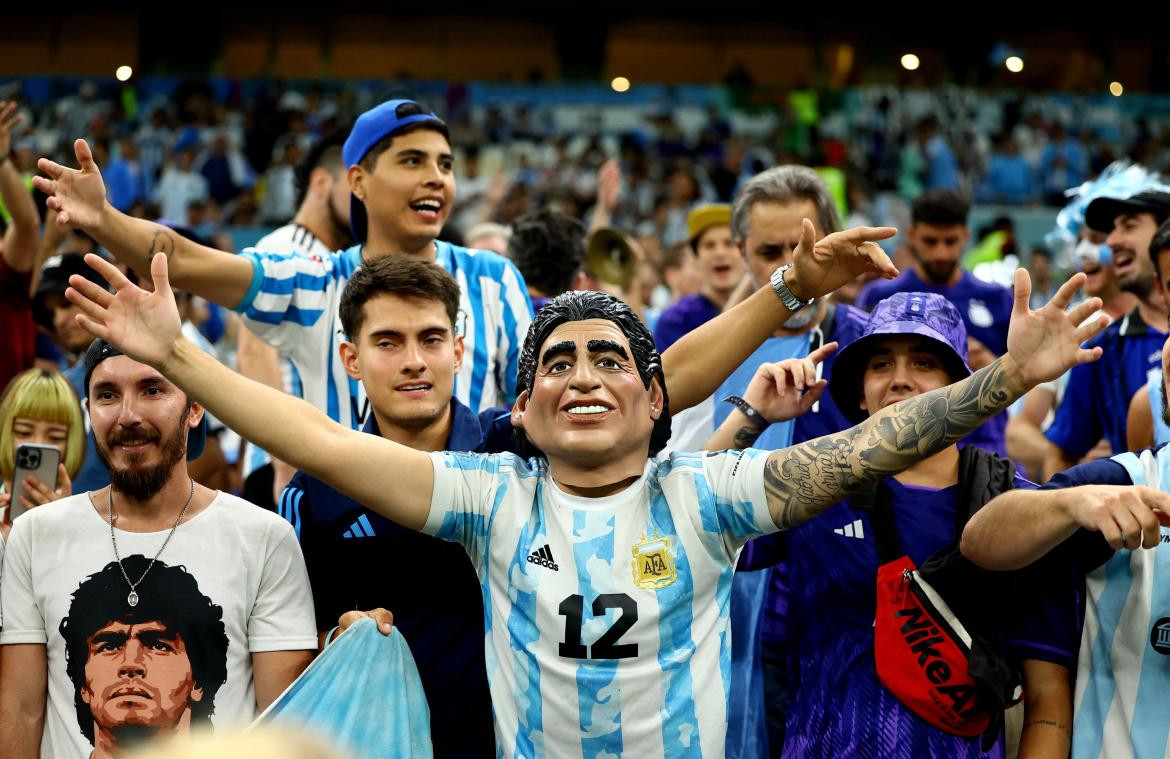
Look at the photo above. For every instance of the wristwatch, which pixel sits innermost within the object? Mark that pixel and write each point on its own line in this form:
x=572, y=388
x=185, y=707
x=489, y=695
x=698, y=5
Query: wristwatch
x=786, y=297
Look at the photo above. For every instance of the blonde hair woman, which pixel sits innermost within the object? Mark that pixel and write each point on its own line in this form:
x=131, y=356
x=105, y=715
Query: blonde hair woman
x=39, y=407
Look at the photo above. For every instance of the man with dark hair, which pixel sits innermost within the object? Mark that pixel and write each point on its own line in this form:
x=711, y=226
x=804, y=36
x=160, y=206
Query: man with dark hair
x=635, y=554
x=191, y=565
x=151, y=671
x=321, y=225
x=549, y=250
x=1096, y=403
x=937, y=237
x=399, y=166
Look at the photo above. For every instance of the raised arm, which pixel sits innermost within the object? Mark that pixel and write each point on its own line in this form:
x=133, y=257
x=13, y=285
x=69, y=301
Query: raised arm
x=391, y=479
x=24, y=231
x=804, y=480
x=79, y=196
x=777, y=392
x=699, y=362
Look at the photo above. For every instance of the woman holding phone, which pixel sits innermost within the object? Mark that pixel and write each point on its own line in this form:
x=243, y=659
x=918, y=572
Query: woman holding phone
x=38, y=408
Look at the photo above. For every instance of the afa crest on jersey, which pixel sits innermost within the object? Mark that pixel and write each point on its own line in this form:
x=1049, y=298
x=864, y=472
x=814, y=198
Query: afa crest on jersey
x=653, y=564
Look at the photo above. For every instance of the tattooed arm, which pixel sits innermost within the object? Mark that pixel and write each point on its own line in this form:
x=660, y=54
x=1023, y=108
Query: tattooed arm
x=804, y=480
x=79, y=196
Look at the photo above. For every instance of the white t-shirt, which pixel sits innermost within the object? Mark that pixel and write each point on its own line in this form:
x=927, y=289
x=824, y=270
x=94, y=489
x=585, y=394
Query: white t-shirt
x=231, y=582
x=606, y=619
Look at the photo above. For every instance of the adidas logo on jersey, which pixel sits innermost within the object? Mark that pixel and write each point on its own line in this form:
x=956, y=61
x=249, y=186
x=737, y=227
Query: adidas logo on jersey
x=854, y=530
x=360, y=529
x=543, y=557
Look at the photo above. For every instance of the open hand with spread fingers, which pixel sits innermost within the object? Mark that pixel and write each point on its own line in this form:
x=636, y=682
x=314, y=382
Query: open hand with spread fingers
x=143, y=325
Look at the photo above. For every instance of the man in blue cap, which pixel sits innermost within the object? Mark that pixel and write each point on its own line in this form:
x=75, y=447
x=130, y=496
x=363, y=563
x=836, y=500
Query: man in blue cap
x=399, y=166
x=913, y=343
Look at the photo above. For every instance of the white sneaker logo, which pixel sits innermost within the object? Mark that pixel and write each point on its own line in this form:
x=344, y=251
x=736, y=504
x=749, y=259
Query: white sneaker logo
x=854, y=530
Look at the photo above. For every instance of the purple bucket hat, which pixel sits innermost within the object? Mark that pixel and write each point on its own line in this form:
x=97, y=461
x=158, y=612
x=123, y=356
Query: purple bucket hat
x=927, y=314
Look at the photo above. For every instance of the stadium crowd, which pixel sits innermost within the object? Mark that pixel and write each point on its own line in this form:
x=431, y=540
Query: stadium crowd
x=699, y=441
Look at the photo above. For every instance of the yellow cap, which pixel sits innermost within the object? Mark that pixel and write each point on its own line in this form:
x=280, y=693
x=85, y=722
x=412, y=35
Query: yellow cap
x=702, y=218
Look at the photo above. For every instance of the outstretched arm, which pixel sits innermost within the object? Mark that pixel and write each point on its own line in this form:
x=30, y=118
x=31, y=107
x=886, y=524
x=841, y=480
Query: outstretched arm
x=699, y=362
x=804, y=480
x=79, y=196
x=391, y=479
x=24, y=231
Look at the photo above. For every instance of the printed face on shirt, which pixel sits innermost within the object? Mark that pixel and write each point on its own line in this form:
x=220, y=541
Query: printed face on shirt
x=588, y=405
x=407, y=356
x=901, y=367
x=138, y=675
x=140, y=423
x=719, y=261
x=773, y=233
x=409, y=193
x=937, y=250
x=1130, y=242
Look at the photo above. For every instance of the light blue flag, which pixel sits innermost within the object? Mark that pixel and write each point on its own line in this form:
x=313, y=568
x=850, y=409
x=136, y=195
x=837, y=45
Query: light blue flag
x=362, y=695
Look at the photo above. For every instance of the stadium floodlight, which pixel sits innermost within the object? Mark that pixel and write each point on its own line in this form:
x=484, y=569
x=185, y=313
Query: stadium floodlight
x=124, y=73
x=620, y=84
x=1115, y=89
x=1014, y=64
x=910, y=62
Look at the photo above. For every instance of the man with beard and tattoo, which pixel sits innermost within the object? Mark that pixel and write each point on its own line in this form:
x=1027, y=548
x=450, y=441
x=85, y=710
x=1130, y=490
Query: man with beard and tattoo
x=133, y=538
x=590, y=552
x=937, y=236
x=1096, y=403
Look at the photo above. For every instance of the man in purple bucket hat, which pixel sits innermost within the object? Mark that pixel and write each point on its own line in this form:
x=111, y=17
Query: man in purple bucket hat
x=913, y=343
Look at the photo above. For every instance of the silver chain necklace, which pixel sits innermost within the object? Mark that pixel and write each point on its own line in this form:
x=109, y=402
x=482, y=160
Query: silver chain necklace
x=132, y=599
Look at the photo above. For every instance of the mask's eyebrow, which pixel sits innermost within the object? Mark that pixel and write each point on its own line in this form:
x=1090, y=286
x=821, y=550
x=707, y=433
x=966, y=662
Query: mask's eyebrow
x=601, y=346
x=567, y=346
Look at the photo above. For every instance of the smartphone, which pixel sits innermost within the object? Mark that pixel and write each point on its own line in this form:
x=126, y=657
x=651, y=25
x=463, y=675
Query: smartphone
x=38, y=460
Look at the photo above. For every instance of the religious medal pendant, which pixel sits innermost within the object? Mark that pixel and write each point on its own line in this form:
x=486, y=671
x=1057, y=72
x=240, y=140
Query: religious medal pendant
x=132, y=599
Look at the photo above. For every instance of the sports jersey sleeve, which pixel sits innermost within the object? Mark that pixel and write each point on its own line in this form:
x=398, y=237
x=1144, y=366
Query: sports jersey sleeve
x=21, y=619
x=294, y=503
x=289, y=295
x=1077, y=428
x=467, y=488
x=738, y=506
x=282, y=616
x=515, y=319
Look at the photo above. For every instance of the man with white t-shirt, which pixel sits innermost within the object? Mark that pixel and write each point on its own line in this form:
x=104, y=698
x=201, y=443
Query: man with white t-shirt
x=320, y=226
x=145, y=608
x=606, y=573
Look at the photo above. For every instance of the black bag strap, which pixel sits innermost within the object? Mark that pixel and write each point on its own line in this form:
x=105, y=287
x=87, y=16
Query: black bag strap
x=881, y=520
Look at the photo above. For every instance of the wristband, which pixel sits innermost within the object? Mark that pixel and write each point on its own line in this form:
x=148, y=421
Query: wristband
x=752, y=415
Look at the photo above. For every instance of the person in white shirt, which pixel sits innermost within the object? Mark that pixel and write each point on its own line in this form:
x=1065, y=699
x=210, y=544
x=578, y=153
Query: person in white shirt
x=152, y=605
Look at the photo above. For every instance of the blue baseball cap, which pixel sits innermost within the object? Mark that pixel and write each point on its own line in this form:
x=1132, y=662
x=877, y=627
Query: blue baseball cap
x=98, y=351
x=926, y=314
x=368, y=130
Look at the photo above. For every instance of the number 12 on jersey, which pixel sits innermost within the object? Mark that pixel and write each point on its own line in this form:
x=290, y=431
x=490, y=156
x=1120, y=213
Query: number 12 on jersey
x=607, y=646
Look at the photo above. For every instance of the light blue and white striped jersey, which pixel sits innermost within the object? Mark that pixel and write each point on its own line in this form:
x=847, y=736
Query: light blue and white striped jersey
x=1123, y=671
x=293, y=304
x=298, y=239
x=606, y=619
